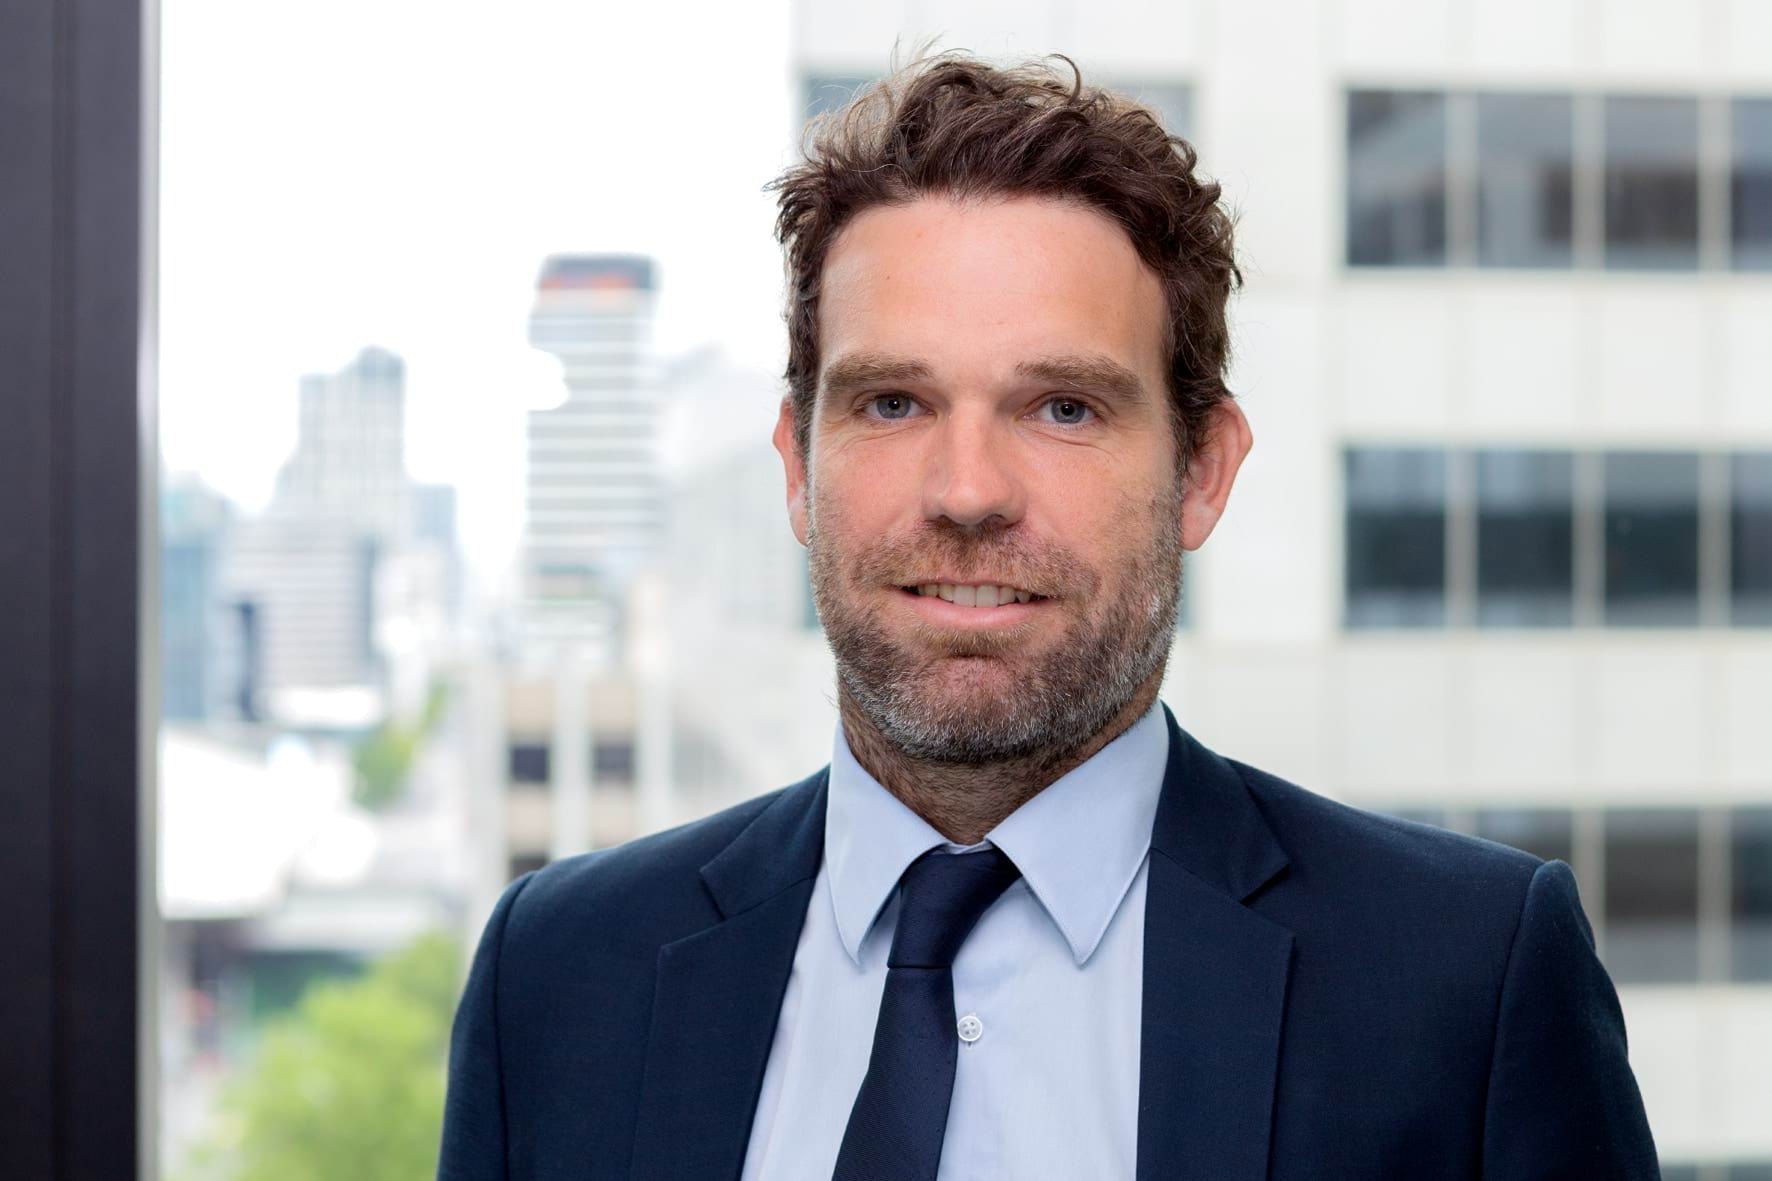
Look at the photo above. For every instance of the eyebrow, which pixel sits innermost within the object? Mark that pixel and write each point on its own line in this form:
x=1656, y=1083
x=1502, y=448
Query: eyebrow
x=1094, y=373
x=860, y=370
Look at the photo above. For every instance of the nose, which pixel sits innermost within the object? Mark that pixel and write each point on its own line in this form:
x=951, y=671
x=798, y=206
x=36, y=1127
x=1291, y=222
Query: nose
x=972, y=478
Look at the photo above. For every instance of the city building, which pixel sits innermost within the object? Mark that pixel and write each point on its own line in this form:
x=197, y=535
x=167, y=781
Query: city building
x=594, y=508
x=350, y=565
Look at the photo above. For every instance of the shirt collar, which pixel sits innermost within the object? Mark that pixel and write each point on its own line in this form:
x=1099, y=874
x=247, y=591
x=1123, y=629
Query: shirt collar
x=1079, y=842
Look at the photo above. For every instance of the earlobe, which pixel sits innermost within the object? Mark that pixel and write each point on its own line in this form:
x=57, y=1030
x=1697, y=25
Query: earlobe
x=1212, y=472
x=794, y=467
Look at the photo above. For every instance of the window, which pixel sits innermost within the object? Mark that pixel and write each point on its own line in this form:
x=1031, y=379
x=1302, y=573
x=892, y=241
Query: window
x=1651, y=182
x=1396, y=178
x=1651, y=517
x=1510, y=179
x=1750, y=184
x=1750, y=540
x=1525, y=180
x=1750, y=903
x=1525, y=538
x=1542, y=832
x=1396, y=538
x=529, y=762
x=1652, y=895
x=612, y=761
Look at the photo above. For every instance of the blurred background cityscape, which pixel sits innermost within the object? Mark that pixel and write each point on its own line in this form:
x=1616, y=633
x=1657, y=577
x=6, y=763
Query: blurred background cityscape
x=474, y=552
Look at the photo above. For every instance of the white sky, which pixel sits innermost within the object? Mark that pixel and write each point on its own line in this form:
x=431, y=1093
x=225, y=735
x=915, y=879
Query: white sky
x=344, y=172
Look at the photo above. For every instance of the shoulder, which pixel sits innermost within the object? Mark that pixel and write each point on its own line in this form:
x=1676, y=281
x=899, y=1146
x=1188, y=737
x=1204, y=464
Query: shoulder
x=1389, y=870
x=644, y=891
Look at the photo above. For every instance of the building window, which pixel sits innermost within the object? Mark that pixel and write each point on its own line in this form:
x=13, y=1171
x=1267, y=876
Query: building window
x=1396, y=538
x=1750, y=540
x=1651, y=182
x=612, y=761
x=1750, y=889
x=1396, y=178
x=529, y=762
x=1750, y=183
x=1509, y=179
x=1525, y=538
x=1651, y=514
x=1651, y=895
x=1525, y=180
x=1546, y=833
x=1533, y=538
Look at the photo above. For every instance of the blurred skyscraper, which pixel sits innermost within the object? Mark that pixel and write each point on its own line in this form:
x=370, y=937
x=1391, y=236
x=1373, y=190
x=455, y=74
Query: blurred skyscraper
x=594, y=508
x=309, y=577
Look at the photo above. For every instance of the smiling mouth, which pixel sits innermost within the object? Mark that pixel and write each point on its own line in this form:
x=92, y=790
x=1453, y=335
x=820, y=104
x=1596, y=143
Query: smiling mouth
x=967, y=595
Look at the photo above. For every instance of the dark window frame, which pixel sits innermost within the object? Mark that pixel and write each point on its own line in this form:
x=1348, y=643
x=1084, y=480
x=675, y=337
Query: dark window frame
x=76, y=862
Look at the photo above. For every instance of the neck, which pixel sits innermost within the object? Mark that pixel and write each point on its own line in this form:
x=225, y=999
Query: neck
x=964, y=801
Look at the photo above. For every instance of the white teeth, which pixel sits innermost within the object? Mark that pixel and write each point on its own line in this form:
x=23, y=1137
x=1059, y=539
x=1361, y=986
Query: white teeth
x=975, y=596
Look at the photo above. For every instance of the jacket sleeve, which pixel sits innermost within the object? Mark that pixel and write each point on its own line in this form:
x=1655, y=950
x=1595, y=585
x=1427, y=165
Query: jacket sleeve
x=1562, y=1100
x=474, y=1110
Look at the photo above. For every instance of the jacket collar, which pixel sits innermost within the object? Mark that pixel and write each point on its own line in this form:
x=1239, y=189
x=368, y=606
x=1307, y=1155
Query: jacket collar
x=1078, y=843
x=1215, y=975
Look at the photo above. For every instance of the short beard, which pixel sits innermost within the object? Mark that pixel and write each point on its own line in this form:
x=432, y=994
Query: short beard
x=1059, y=704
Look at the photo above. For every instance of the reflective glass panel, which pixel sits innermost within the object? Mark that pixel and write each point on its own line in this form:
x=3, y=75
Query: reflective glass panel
x=1396, y=538
x=1750, y=183
x=1396, y=178
x=1652, y=895
x=1525, y=538
x=1525, y=180
x=1750, y=902
x=1750, y=540
x=1651, y=539
x=1651, y=182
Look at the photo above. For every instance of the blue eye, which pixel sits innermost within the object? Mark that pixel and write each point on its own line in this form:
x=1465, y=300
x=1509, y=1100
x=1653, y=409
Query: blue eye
x=1069, y=411
x=893, y=406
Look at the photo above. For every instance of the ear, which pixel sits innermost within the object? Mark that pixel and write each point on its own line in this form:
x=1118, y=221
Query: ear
x=795, y=465
x=1211, y=472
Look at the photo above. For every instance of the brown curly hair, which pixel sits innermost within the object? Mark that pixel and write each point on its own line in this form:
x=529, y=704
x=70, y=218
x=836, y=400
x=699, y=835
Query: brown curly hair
x=952, y=125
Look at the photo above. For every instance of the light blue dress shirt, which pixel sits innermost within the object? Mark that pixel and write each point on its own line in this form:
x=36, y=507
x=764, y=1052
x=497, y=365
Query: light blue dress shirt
x=1047, y=988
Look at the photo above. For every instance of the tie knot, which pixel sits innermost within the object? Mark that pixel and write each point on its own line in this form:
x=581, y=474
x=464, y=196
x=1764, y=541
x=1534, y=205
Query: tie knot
x=943, y=897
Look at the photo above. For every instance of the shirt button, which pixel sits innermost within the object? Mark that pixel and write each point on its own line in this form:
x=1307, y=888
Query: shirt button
x=971, y=1028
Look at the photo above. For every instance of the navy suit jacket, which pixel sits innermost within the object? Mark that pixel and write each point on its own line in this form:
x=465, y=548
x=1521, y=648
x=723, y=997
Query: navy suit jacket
x=1328, y=993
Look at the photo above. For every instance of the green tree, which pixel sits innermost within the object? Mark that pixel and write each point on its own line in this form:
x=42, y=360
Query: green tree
x=384, y=759
x=351, y=1085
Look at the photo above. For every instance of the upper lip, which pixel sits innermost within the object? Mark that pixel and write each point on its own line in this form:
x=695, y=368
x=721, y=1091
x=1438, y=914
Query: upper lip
x=941, y=580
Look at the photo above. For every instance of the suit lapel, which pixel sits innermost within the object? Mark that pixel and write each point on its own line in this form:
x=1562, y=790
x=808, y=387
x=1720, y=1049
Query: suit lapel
x=1215, y=977
x=718, y=993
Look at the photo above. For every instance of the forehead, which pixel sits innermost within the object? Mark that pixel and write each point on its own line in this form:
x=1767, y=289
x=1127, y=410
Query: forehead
x=983, y=284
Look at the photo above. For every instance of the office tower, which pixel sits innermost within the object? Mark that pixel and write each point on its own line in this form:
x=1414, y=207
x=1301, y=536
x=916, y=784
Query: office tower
x=594, y=509
x=304, y=572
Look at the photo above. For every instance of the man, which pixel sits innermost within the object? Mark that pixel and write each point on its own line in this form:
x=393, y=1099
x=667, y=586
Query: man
x=1023, y=925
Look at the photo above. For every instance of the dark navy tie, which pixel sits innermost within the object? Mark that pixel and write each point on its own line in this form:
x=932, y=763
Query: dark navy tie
x=901, y=1113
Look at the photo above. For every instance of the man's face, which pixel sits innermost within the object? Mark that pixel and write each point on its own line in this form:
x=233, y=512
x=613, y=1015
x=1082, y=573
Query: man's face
x=991, y=413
